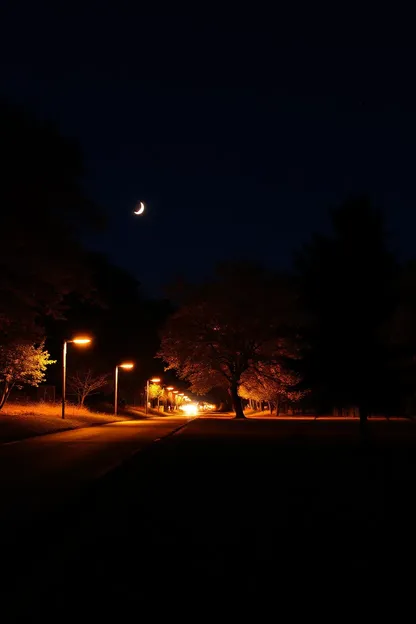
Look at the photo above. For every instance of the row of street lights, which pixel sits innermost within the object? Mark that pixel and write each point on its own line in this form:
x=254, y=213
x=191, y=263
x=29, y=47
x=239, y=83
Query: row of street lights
x=83, y=341
x=157, y=380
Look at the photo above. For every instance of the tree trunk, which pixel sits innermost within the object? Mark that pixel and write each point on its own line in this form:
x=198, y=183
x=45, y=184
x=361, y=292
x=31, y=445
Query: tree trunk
x=270, y=408
x=3, y=398
x=5, y=395
x=238, y=408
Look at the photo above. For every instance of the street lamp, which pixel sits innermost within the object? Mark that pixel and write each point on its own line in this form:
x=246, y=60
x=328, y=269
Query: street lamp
x=175, y=393
x=79, y=340
x=154, y=380
x=168, y=403
x=126, y=366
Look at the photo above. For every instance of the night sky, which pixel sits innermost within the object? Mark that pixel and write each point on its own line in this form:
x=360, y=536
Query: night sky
x=238, y=131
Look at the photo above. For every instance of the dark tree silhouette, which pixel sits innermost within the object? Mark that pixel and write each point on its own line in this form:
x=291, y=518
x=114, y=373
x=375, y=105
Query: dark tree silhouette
x=42, y=208
x=347, y=283
x=402, y=336
x=123, y=323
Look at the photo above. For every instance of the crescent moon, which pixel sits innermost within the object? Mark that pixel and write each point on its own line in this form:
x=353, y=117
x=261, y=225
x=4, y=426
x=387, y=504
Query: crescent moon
x=140, y=210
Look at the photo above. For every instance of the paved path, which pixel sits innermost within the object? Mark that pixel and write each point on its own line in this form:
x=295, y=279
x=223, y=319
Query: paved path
x=44, y=470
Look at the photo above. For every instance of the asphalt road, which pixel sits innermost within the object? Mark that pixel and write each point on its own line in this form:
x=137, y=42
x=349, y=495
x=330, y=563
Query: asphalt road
x=43, y=471
x=227, y=514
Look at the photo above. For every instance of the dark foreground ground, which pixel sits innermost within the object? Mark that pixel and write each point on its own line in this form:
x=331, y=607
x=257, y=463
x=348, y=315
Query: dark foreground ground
x=224, y=515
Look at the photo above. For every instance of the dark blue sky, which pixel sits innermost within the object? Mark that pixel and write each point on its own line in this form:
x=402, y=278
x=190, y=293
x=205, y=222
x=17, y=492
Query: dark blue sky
x=238, y=131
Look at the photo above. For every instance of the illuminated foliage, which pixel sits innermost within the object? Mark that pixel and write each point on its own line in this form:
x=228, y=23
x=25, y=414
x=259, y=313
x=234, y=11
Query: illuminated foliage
x=271, y=382
x=155, y=391
x=228, y=326
x=179, y=400
x=21, y=364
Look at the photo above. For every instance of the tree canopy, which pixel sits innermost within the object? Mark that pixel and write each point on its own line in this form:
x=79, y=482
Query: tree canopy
x=234, y=323
x=21, y=364
x=347, y=285
x=43, y=206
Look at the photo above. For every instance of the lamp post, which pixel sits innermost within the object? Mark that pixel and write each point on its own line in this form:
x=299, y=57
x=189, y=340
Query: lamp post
x=126, y=366
x=154, y=380
x=168, y=401
x=175, y=394
x=79, y=340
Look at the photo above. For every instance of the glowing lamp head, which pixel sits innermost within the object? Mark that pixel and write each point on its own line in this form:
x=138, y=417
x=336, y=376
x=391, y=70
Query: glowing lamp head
x=126, y=365
x=155, y=380
x=81, y=340
x=169, y=388
x=175, y=391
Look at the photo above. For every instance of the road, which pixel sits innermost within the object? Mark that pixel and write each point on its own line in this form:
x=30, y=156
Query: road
x=228, y=513
x=42, y=471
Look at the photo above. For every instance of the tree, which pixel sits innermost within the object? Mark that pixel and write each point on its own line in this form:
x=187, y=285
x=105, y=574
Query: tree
x=155, y=391
x=347, y=286
x=21, y=364
x=42, y=203
x=242, y=317
x=273, y=383
x=124, y=323
x=401, y=334
x=85, y=383
x=179, y=401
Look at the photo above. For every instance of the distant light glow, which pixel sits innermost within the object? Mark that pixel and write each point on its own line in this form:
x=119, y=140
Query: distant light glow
x=126, y=365
x=155, y=380
x=191, y=409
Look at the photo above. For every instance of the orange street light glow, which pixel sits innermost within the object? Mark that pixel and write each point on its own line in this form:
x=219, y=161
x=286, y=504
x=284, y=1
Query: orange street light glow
x=190, y=409
x=81, y=340
x=175, y=391
x=169, y=388
x=155, y=380
x=126, y=365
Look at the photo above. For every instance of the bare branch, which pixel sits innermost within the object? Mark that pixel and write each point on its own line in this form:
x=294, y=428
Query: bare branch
x=86, y=383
